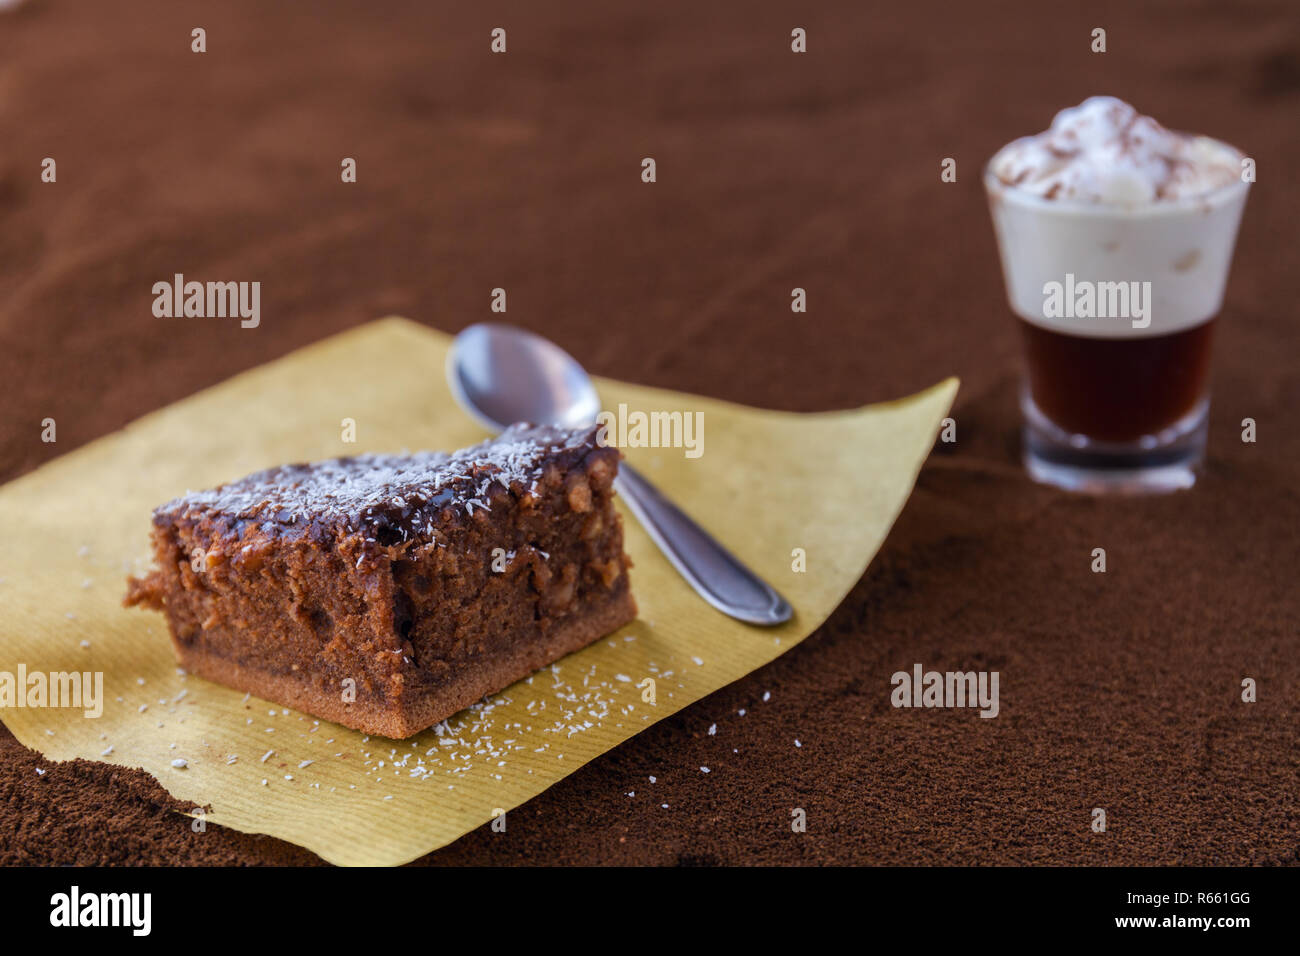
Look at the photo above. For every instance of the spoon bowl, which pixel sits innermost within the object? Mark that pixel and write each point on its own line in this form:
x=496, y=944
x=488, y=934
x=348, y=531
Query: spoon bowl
x=502, y=375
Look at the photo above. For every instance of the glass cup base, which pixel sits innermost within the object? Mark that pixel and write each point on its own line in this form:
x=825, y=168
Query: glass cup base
x=1153, y=464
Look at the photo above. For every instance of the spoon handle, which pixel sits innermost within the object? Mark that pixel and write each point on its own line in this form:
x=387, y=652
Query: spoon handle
x=711, y=569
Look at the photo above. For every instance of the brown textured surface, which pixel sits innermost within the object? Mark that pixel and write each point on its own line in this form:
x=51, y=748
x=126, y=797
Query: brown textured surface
x=775, y=171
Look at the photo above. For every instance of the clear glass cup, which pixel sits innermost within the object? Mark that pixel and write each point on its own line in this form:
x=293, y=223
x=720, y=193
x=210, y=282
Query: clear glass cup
x=1116, y=306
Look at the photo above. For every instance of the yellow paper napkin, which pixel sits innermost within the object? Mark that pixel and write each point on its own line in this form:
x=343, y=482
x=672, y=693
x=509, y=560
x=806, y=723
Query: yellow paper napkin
x=806, y=500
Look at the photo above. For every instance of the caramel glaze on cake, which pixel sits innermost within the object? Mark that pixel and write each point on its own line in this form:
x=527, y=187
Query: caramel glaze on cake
x=389, y=592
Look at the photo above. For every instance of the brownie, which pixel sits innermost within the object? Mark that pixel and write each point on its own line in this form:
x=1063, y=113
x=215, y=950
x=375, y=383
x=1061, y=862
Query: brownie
x=388, y=592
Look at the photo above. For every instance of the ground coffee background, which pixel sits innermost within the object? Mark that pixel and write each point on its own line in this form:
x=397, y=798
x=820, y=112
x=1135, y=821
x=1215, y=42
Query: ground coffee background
x=775, y=170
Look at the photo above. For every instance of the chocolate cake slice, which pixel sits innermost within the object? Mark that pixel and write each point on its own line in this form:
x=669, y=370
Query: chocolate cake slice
x=389, y=592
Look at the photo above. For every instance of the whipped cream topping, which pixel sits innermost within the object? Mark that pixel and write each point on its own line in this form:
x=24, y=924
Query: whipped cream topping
x=1104, y=151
